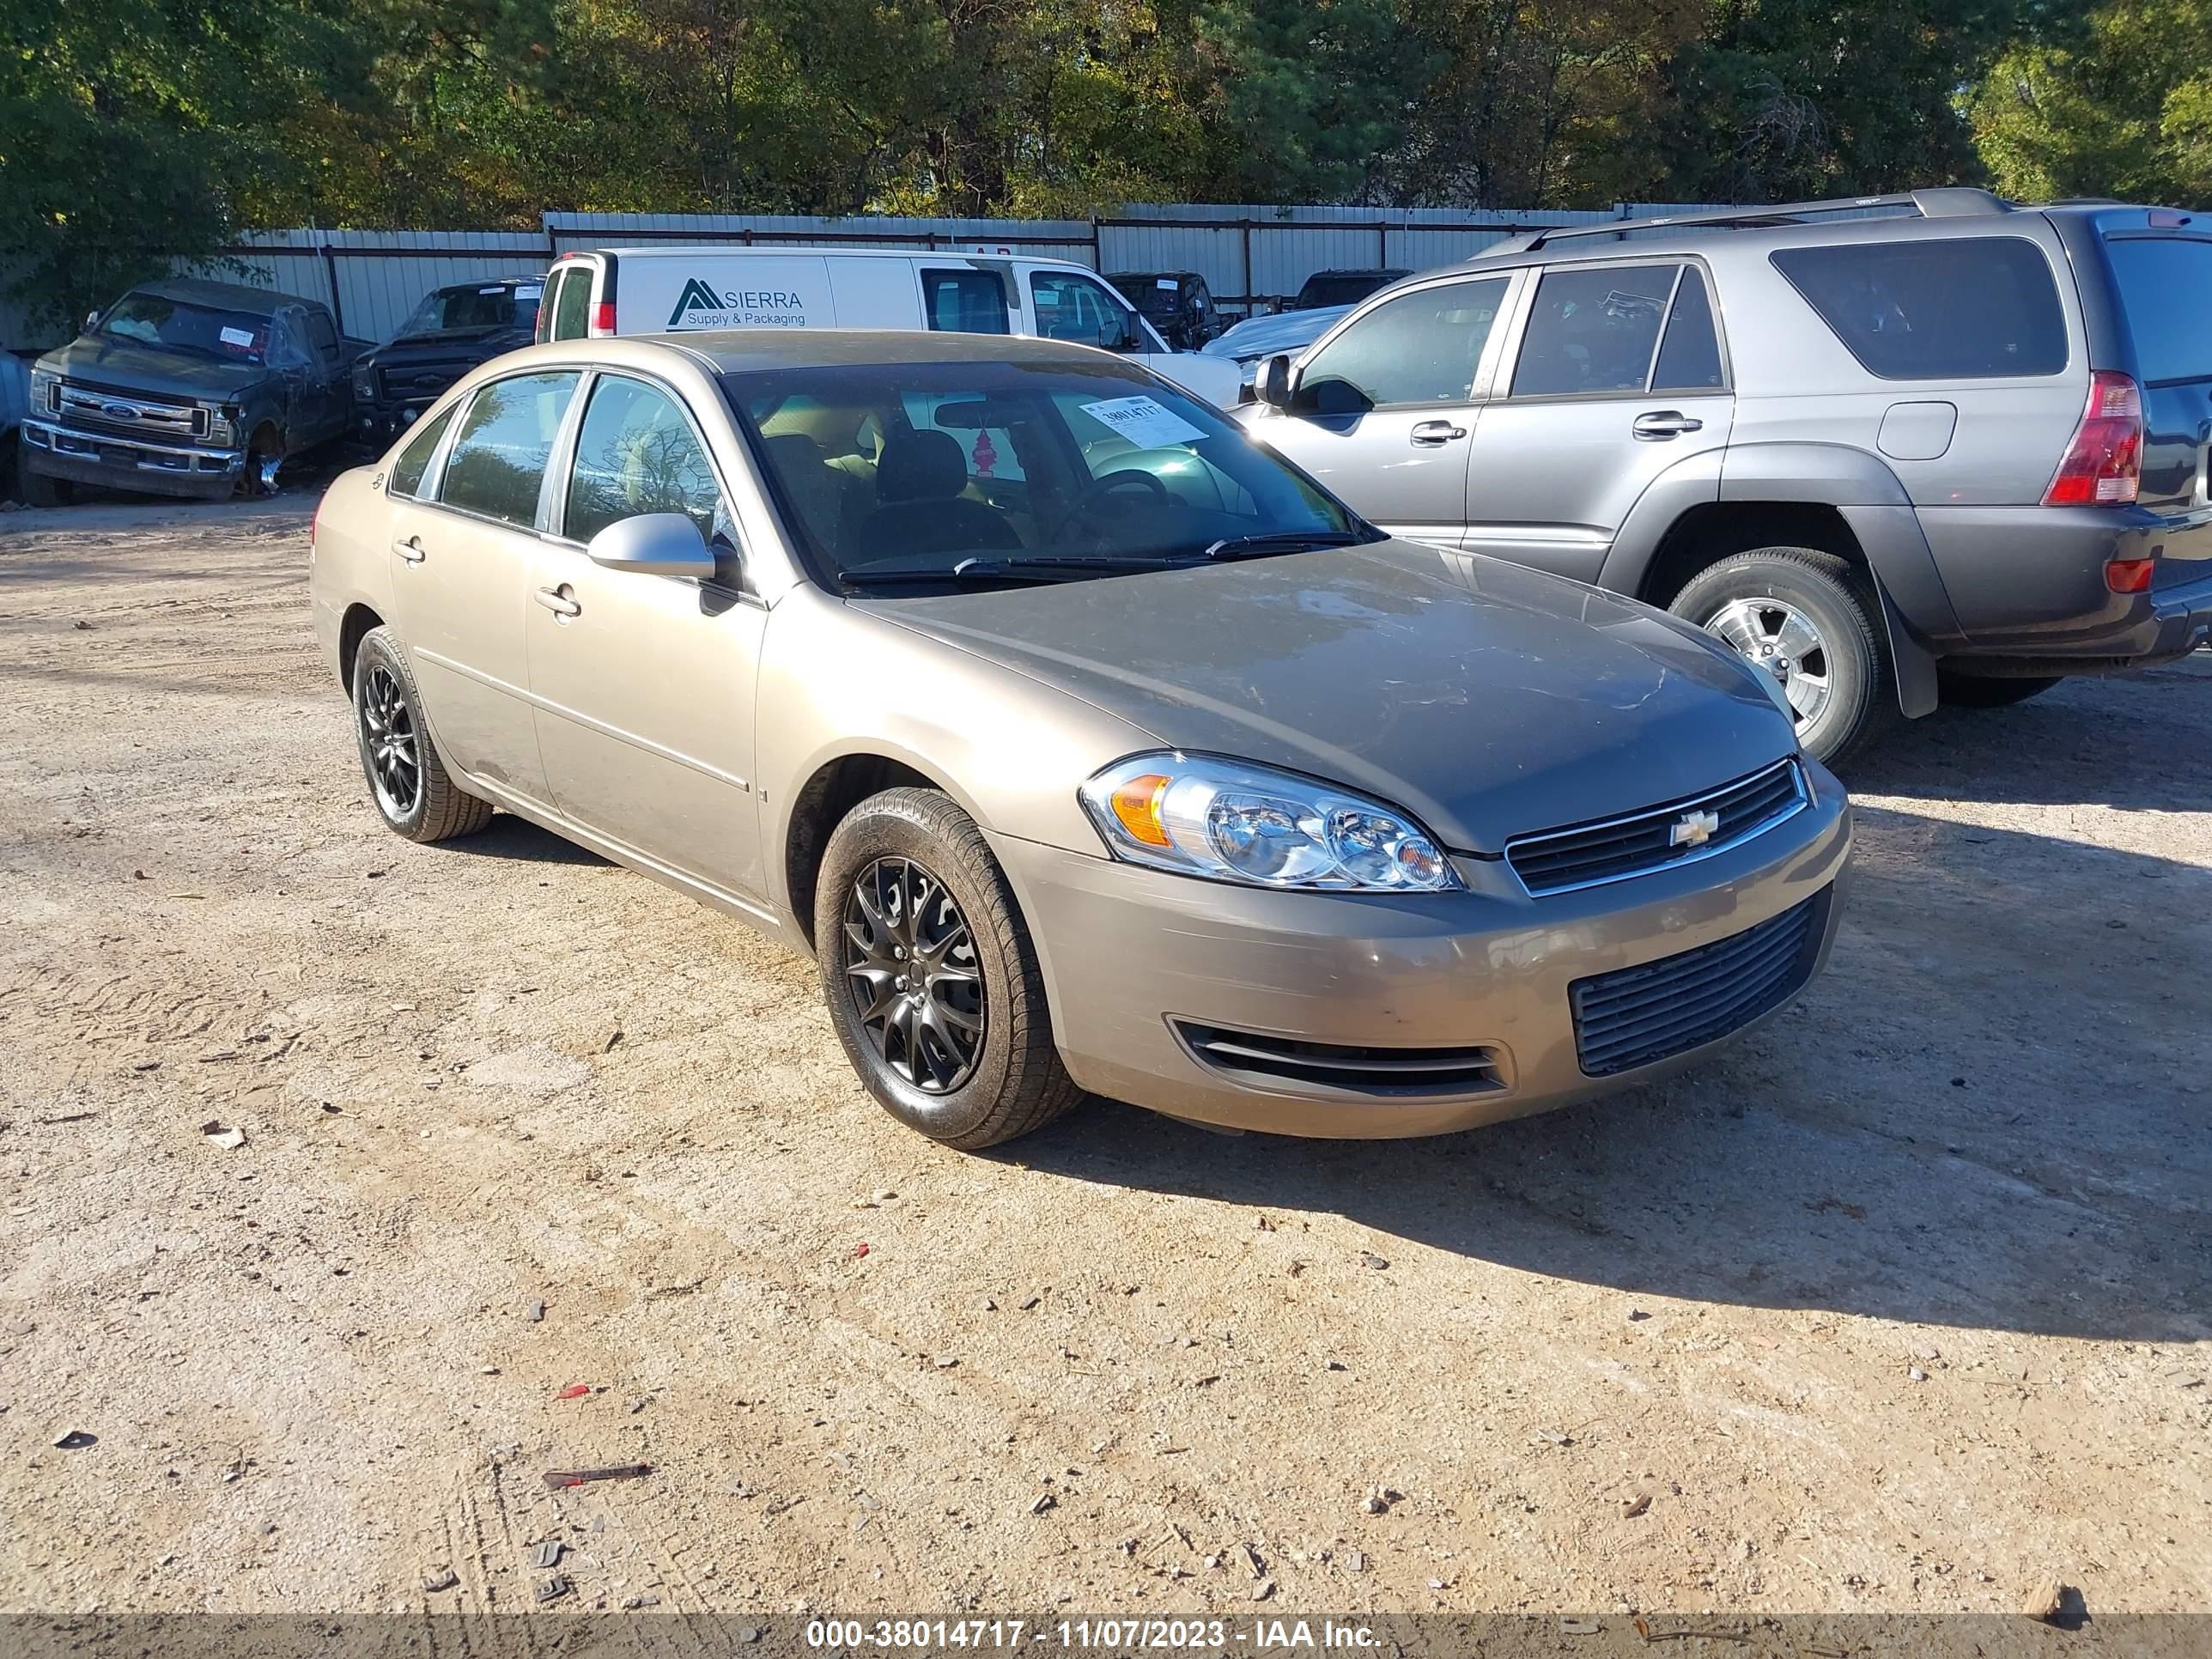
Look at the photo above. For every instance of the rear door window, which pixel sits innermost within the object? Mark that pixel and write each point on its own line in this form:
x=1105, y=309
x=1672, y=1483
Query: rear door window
x=497, y=467
x=415, y=460
x=1690, y=351
x=1594, y=330
x=1419, y=348
x=964, y=301
x=2165, y=289
x=1960, y=308
x=572, y=306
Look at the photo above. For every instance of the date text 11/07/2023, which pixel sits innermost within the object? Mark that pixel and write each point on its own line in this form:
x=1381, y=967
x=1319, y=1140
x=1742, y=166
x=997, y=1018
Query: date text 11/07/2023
x=1080, y=1635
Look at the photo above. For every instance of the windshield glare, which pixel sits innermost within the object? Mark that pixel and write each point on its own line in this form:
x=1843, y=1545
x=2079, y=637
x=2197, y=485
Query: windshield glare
x=235, y=336
x=890, y=468
x=491, y=306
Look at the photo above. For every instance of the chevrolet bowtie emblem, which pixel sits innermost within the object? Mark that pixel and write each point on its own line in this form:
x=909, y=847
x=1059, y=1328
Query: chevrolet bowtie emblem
x=1694, y=829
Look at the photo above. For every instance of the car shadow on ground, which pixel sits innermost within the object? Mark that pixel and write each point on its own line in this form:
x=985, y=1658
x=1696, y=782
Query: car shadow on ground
x=519, y=839
x=1989, y=1112
x=2132, y=740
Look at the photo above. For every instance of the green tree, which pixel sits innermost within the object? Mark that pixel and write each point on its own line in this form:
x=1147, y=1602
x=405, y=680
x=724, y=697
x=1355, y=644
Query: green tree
x=2120, y=106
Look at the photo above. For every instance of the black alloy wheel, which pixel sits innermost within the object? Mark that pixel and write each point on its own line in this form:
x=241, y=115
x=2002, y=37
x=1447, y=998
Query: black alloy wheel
x=910, y=961
x=391, y=744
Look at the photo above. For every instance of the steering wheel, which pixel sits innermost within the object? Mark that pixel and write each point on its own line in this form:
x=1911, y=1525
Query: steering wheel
x=1102, y=488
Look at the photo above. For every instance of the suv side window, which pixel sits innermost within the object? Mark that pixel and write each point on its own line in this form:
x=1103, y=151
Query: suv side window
x=1690, y=353
x=497, y=467
x=637, y=453
x=572, y=306
x=415, y=460
x=1420, y=347
x=1962, y=307
x=1072, y=308
x=964, y=301
x=1593, y=331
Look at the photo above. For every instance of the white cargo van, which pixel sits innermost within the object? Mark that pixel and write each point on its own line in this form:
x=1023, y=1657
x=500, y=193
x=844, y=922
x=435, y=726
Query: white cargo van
x=663, y=290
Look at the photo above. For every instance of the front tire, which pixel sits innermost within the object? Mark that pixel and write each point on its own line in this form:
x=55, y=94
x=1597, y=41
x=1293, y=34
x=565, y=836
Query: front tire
x=1807, y=618
x=1990, y=690
x=414, y=794
x=930, y=976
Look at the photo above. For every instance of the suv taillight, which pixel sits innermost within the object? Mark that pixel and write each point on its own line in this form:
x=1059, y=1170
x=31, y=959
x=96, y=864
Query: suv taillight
x=2104, y=464
x=603, y=319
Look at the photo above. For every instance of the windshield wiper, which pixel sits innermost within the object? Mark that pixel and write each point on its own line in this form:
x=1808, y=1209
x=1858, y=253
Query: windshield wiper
x=994, y=570
x=1269, y=543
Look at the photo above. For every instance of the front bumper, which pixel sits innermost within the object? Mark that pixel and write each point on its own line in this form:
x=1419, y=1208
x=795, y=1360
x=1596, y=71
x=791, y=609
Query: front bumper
x=61, y=451
x=1133, y=958
x=2028, y=584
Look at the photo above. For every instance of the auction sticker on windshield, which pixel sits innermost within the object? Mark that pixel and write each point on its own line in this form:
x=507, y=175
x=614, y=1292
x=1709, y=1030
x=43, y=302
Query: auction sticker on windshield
x=242, y=339
x=1143, y=422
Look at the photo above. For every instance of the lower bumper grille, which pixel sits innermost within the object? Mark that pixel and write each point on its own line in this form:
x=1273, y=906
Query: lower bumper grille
x=1639, y=1016
x=1397, y=1073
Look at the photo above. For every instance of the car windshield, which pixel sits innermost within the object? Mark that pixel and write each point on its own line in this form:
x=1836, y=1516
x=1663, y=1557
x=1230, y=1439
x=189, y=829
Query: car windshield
x=237, y=337
x=905, y=473
x=1157, y=297
x=471, y=307
x=1342, y=287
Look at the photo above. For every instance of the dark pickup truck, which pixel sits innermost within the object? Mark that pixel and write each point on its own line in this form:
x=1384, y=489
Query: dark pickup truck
x=188, y=387
x=452, y=330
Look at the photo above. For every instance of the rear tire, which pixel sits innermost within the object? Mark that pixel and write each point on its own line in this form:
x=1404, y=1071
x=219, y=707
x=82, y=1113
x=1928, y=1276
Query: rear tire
x=930, y=976
x=1808, y=617
x=1988, y=691
x=408, y=782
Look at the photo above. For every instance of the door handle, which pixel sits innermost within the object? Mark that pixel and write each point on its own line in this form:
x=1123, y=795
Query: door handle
x=1666, y=423
x=1429, y=434
x=557, y=600
x=409, y=548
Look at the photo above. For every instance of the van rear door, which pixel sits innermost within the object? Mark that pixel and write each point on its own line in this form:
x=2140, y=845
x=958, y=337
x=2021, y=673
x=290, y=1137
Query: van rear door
x=2163, y=281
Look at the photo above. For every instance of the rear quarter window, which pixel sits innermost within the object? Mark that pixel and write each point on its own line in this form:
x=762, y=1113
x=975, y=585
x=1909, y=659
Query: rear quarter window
x=2165, y=291
x=1964, y=309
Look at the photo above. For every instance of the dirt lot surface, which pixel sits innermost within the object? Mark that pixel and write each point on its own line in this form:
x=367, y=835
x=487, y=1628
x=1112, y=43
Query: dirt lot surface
x=1905, y=1305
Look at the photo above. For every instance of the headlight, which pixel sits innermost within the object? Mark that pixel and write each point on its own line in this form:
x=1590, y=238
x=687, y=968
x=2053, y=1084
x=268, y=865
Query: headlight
x=46, y=390
x=221, y=429
x=364, y=383
x=1232, y=821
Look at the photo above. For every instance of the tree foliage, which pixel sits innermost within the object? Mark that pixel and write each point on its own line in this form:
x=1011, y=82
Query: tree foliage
x=134, y=128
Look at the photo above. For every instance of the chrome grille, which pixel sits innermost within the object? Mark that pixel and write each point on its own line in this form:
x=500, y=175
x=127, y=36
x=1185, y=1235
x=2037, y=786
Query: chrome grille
x=1613, y=849
x=94, y=408
x=1252, y=1057
x=1639, y=1016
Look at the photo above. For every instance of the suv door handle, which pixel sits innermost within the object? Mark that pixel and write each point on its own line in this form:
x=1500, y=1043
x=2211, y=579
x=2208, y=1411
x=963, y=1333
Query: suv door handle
x=1429, y=434
x=557, y=600
x=1666, y=423
x=409, y=548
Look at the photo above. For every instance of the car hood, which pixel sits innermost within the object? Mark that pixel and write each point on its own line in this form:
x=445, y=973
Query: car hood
x=1262, y=337
x=1489, y=699
x=448, y=345
x=129, y=366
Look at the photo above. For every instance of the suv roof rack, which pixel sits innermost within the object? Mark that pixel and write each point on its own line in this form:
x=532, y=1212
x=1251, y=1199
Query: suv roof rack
x=1948, y=203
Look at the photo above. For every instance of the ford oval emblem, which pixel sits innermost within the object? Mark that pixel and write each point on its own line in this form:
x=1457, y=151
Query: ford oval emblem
x=120, y=411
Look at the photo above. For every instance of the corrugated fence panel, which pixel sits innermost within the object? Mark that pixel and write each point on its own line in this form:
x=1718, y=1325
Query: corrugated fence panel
x=375, y=278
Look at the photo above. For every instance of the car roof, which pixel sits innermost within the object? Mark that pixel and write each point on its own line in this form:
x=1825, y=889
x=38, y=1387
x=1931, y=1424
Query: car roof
x=232, y=296
x=741, y=351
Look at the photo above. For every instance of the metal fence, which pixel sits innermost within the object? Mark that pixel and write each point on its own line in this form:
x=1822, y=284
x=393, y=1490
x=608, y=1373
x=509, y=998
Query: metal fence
x=1252, y=257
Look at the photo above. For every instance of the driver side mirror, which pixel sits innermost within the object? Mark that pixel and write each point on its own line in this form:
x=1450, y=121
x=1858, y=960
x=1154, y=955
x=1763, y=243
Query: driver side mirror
x=654, y=544
x=1272, y=382
x=91, y=321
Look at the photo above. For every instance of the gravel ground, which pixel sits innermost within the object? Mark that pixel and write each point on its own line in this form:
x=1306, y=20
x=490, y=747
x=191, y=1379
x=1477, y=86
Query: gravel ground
x=1905, y=1304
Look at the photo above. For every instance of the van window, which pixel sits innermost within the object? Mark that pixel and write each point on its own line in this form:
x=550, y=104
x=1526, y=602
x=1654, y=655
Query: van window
x=2165, y=289
x=415, y=460
x=1690, y=354
x=964, y=301
x=1593, y=331
x=1419, y=348
x=498, y=462
x=1964, y=309
x=572, y=307
x=637, y=453
x=1078, y=308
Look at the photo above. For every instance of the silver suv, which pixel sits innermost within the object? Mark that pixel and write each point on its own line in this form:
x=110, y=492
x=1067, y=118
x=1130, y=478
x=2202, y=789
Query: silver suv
x=1949, y=449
